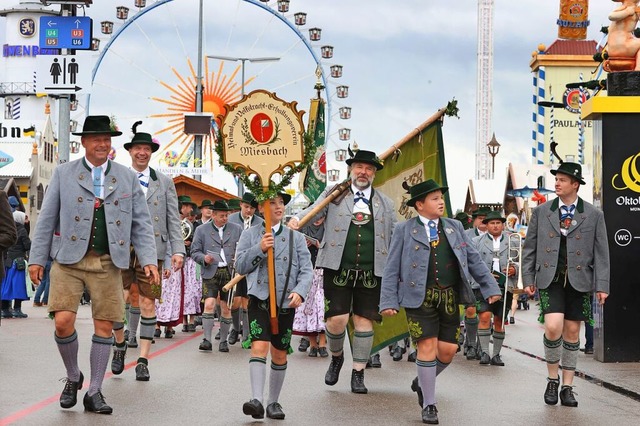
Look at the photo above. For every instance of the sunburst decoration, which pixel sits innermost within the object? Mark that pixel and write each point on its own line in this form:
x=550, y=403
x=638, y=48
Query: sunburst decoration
x=218, y=89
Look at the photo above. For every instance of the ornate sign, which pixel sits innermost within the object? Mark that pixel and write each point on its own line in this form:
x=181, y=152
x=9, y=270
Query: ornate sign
x=262, y=134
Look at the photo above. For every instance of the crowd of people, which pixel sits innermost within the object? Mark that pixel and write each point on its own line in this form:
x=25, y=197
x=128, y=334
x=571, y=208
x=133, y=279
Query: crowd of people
x=339, y=267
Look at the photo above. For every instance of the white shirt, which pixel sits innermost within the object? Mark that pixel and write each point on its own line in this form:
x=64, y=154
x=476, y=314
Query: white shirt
x=425, y=223
x=224, y=260
x=146, y=176
x=361, y=206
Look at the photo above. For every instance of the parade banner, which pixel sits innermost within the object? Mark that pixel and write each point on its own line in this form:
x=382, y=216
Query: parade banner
x=418, y=157
x=313, y=179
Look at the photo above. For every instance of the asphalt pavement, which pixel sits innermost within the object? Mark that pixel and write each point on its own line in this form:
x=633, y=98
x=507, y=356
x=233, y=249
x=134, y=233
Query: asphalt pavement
x=190, y=386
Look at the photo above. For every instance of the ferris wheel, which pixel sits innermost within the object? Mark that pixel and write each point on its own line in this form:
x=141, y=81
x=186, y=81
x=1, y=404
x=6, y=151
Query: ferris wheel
x=151, y=57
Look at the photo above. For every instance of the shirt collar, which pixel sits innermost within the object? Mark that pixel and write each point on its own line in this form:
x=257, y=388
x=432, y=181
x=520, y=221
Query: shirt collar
x=425, y=221
x=574, y=202
x=366, y=191
x=276, y=228
x=91, y=166
x=145, y=173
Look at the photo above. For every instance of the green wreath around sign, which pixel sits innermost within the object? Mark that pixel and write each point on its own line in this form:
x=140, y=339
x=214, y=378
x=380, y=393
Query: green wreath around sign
x=254, y=185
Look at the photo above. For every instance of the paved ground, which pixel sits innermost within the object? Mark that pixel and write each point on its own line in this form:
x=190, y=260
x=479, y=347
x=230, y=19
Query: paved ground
x=189, y=386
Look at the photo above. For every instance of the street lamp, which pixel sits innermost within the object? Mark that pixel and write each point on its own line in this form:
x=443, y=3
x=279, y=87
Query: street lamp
x=494, y=148
x=242, y=60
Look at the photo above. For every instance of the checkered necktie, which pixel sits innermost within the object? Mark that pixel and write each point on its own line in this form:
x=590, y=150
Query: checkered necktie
x=433, y=230
x=97, y=181
x=360, y=197
x=566, y=212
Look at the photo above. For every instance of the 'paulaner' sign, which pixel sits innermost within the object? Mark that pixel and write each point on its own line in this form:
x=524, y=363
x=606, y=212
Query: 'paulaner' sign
x=262, y=133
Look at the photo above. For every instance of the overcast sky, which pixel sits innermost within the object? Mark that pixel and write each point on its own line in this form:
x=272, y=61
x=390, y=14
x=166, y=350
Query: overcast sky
x=402, y=61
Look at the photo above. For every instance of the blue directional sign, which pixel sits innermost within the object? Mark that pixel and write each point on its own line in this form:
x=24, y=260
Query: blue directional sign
x=65, y=32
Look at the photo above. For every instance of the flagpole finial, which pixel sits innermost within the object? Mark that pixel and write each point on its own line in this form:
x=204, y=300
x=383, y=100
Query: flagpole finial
x=318, y=86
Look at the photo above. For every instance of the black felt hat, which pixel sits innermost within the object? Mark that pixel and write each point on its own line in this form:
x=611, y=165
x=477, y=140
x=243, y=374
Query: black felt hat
x=219, y=205
x=97, y=125
x=367, y=157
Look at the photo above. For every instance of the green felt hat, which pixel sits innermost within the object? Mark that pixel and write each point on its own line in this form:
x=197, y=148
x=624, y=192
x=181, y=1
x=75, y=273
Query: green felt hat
x=234, y=203
x=185, y=199
x=493, y=215
x=572, y=169
x=144, y=139
x=419, y=190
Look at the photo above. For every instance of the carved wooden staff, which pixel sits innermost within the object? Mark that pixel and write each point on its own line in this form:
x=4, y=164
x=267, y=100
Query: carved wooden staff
x=262, y=135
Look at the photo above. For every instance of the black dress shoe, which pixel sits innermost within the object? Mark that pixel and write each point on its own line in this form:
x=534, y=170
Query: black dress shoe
x=69, y=395
x=96, y=403
x=430, y=415
x=566, y=397
x=357, y=382
x=313, y=352
x=223, y=347
x=254, y=409
x=551, y=393
x=304, y=344
x=142, y=372
x=274, y=411
x=157, y=332
x=233, y=337
x=333, y=372
x=322, y=351
x=496, y=360
x=485, y=359
x=470, y=352
x=168, y=334
x=117, y=363
x=415, y=386
x=205, y=346
x=133, y=342
x=375, y=361
x=397, y=353
x=412, y=357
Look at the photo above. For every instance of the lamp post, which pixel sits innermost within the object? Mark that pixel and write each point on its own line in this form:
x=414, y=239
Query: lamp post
x=494, y=148
x=242, y=61
x=197, y=139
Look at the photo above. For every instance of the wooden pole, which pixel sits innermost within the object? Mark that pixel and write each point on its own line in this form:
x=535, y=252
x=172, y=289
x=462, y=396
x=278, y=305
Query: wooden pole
x=273, y=307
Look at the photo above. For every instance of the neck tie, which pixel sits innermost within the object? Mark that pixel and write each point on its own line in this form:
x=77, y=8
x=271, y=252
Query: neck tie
x=142, y=181
x=360, y=197
x=433, y=230
x=97, y=181
x=566, y=212
x=247, y=223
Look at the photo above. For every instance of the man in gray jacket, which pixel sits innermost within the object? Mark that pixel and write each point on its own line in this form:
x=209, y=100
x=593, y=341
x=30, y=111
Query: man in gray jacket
x=566, y=256
x=353, y=253
x=162, y=202
x=92, y=213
